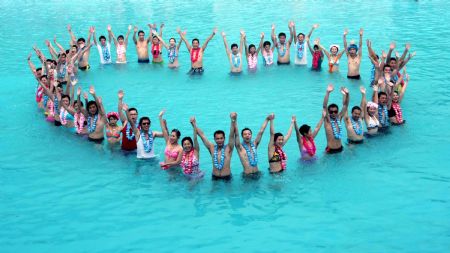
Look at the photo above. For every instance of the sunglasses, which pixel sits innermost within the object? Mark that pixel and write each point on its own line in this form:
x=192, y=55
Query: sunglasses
x=333, y=111
x=145, y=123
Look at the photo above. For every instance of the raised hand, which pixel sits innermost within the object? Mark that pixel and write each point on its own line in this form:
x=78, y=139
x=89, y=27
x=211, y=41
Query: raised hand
x=392, y=45
x=293, y=119
x=99, y=100
x=161, y=113
x=130, y=27
x=397, y=54
x=361, y=31
x=383, y=54
x=273, y=26
x=330, y=88
x=214, y=30
x=233, y=116
x=223, y=34
x=120, y=94
x=262, y=35
x=407, y=46
x=369, y=43
x=161, y=26
x=317, y=41
x=79, y=91
x=85, y=95
x=270, y=116
x=92, y=90
x=345, y=32
x=315, y=26
x=108, y=28
x=69, y=28
x=362, y=89
x=178, y=30
x=47, y=43
x=29, y=57
x=192, y=120
x=91, y=29
x=413, y=54
x=135, y=29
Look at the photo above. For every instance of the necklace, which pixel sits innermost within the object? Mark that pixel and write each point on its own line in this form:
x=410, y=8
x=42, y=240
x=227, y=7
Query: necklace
x=218, y=165
x=336, y=127
x=253, y=160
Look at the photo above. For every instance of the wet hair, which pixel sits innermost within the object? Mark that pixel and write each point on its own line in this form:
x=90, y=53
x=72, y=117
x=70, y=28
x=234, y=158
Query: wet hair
x=63, y=54
x=132, y=109
x=196, y=40
x=177, y=132
x=275, y=137
x=393, y=59
x=54, y=62
x=301, y=34
x=144, y=118
x=43, y=77
x=67, y=51
x=92, y=103
x=378, y=57
x=251, y=45
x=304, y=129
x=154, y=36
x=381, y=93
x=316, y=47
x=38, y=69
x=234, y=45
x=65, y=96
x=120, y=37
x=102, y=37
x=356, y=108
x=266, y=43
x=387, y=66
x=49, y=60
x=81, y=103
x=333, y=106
x=242, y=131
x=281, y=34
x=75, y=46
x=81, y=40
x=219, y=132
x=187, y=138
x=139, y=33
x=173, y=39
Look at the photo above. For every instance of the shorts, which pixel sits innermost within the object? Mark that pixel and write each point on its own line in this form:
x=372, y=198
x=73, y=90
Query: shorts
x=235, y=73
x=84, y=68
x=354, y=77
x=143, y=61
x=283, y=63
x=98, y=141
x=224, y=178
x=252, y=176
x=57, y=123
x=334, y=151
x=355, y=142
x=196, y=71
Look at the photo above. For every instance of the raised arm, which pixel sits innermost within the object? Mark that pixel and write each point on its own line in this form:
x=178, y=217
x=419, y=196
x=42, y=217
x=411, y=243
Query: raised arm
x=122, y=117
x=136, y=131
x=315, y=26
x=272, y=132
x=163, y=126
x=98, y=100
x=196, y=146
x=61, y=48
x=297, y=134
x=345, y=41
x=93, y=35
x=361, y=32
x=309, y=45
x=330, y=89
x=389, y=54
x=134, y=34
x=225, y=43
x=241, y=44
x=209, y=38
x=294, y=31
x=209, y=146
x=324, y=50
x=261, y=42
x=182, y=36
x=111, y=35
x=363, y=101
x=73, y=39
x=161, y=27
x=291, y=32
x=246, y=47
x=319, y=124
x=345, y=102
x=82, y=109
x=127, y=35
x=31, y=65
x=261, y=130
x=52, y=50
x=160, y=39
x=372, y=53
x=273, y=36
x=289, y=132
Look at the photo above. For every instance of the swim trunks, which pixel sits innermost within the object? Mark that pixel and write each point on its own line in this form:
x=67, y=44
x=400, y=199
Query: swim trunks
x=354, y=77
x=98, y=141
x=334, y=151
x=143, y=61
x=355, y=142
x=84, y=68
x=252, y=176
x=196, y=71
x=224, y=178
x=283, y=63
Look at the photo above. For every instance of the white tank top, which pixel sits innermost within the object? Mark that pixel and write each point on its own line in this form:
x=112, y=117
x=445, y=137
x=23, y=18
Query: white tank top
x=140, y=151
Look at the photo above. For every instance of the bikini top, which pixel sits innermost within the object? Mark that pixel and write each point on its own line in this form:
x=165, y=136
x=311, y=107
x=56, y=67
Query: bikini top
x=171, y=154
x=373, y=122
x=112, y=134
x=252, y=60
x=121, y=50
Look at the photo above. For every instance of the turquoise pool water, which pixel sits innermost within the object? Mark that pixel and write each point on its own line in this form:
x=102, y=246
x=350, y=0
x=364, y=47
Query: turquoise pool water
x=59, y=193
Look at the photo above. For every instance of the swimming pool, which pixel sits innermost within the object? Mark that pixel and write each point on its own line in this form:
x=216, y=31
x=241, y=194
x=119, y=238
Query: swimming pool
x=60, y=193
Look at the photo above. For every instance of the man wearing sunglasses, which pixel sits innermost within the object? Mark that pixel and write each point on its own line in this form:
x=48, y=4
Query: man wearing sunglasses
x=333, y=126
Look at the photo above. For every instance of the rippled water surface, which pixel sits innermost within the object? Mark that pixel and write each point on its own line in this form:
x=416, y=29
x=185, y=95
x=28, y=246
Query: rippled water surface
x=59, y=193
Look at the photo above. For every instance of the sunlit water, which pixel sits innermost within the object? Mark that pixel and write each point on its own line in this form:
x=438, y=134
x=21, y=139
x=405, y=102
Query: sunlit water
x=60, y=193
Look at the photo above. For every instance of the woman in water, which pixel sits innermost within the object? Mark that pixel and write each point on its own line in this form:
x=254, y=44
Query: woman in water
x=75, y=119
x=235, y=55
x=333, y=57
x=395, y=110
x=371, y=113
x=121, y=44
x=112, y=129
x=252, y=53
x=316, y=54
x=173, y=152
x=172, y=50
x=277, y=156
x=156, y=47
x=96, y=118
x=191, y=156
x=305, y=139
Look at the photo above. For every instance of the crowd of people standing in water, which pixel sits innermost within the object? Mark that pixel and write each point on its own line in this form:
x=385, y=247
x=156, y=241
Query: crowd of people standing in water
x=61, y=100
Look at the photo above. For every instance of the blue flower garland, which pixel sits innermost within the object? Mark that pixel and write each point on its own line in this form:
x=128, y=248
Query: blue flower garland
x=218, y=165
x=253, y=161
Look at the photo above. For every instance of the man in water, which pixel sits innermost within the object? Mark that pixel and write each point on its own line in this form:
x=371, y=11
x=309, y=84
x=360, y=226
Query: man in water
x=128, y=137
x=332, y=125
x=220, y=154
x=353, y=124
x=283, y=46
x=354, y=54
x=235, y=55
x=83, y=48
x=247, y=150
x=196, y=52
x=142, y=44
